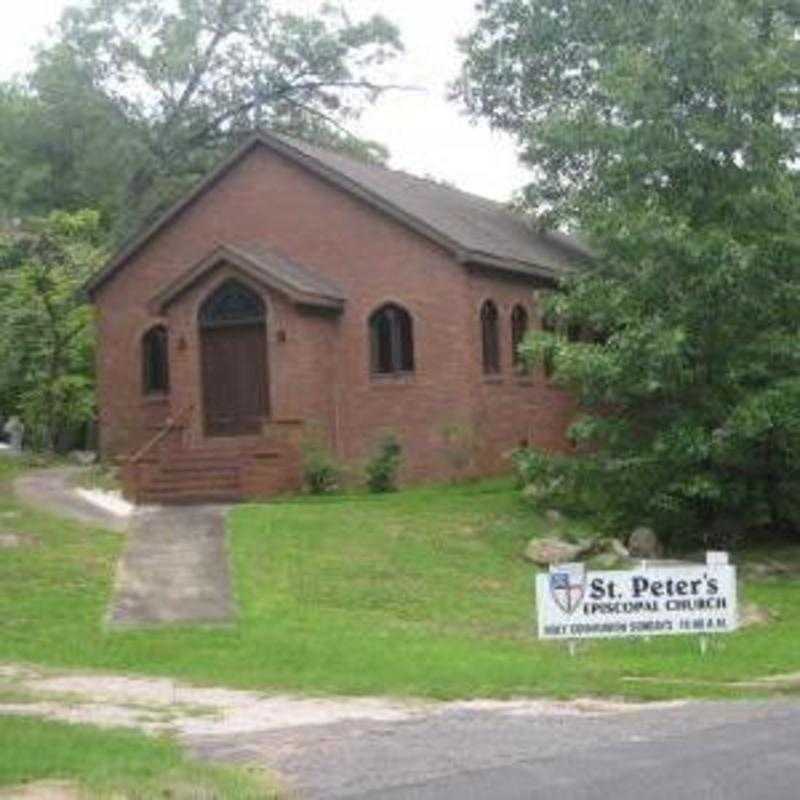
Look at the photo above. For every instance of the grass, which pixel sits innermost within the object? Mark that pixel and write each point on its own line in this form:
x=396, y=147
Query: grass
x=115, y=763
x=422, y=593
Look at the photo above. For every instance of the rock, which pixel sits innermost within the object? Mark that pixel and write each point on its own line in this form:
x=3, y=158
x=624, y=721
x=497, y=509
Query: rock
x=15, y=431
x=751, y=614
x=643, y=543
x=553, y=551
x=616, y=547
x=592, y=546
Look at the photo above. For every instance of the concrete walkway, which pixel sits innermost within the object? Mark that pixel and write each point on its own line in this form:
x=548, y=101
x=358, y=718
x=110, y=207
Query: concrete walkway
x=174, y=568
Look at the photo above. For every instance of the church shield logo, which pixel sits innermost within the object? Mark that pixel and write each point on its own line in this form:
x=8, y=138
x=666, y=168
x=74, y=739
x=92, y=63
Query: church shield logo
x=567, y=586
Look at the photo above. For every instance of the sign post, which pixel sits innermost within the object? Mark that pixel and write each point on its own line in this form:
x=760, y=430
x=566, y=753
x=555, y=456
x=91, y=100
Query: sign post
x=651, y=600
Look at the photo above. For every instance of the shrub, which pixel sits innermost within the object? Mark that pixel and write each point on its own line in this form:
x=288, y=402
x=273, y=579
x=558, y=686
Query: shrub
x=321, y=473
x=382, y=468
x=576, y=486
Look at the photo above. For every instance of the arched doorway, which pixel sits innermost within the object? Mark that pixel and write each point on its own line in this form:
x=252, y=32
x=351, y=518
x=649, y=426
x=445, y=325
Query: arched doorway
x=233, y=345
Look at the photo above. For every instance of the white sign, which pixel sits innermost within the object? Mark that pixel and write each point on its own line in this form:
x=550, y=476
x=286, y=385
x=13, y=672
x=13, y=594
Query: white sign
x=651, y=601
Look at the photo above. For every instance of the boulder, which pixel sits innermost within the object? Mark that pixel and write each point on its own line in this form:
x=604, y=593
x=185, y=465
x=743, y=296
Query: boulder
x=595, y=545
x=554, y=551
x=616, y=547
x=643, y=543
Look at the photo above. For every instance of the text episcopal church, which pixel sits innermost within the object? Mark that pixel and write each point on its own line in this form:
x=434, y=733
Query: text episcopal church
x=297, y=287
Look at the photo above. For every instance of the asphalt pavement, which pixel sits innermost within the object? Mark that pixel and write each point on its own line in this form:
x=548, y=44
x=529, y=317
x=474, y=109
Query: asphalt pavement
x=744, y=750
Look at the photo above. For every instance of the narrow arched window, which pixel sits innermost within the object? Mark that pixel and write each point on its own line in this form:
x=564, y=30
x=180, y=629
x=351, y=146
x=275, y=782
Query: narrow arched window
x=491, y=338
x=391, y=340
x=519, y=327
x=155, y=361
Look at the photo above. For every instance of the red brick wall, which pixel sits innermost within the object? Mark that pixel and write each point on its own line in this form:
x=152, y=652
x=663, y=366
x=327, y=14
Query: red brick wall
x=320, y=372
x=514, y=406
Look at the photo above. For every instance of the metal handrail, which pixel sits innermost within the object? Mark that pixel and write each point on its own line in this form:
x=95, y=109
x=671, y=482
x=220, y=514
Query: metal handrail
x=169, y=425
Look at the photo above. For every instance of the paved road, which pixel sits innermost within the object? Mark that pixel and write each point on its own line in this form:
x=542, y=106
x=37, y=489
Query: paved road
x=702, y=751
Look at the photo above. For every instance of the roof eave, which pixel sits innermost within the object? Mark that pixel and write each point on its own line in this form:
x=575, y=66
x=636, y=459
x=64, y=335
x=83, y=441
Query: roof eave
x=223, y=255
x=528, y=269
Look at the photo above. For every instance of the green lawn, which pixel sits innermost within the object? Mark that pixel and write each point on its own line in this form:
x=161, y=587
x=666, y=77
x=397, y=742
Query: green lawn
x=108, y=764
x=419, y=593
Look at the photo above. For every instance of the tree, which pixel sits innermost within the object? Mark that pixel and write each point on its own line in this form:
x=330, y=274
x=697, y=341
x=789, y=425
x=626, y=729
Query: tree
x=140, y=98
x=46, y=339
x=24, y=175
x=667, y=131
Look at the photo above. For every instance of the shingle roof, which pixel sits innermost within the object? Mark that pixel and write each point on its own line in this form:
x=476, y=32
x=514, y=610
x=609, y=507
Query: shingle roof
x=477, y=225
x=474, y=229
x=301, y=284
x=295, y=275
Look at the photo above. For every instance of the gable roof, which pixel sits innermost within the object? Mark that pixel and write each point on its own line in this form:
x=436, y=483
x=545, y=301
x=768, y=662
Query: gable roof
x=475, y=230
x=302, y=285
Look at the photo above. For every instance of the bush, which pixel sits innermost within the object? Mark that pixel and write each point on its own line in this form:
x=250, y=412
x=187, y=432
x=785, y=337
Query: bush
x=382, y=468
x=321, y=473
x=562, y=482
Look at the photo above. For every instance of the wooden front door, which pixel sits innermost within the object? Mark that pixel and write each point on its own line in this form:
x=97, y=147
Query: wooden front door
x=233, y=344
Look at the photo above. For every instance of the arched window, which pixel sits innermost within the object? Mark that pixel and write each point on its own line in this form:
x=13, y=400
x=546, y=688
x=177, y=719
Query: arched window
x=232, y=303
x=490, y=335
x=519, y=327
x=391, y=340
x=155, y=361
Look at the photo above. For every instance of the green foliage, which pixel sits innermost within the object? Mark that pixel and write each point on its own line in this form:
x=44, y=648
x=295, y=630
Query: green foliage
x=384, y=464
x=321, y=473
x=136, y=99
x=46, y=336
x=667, y=131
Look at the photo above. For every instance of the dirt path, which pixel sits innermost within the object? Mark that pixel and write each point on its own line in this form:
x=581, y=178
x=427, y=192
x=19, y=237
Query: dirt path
x=53, y=490
x=162, y=705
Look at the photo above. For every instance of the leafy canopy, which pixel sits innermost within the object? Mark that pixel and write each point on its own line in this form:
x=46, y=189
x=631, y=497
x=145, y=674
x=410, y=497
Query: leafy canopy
x=46, y=336
x=667, y=131
x=136, y=99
